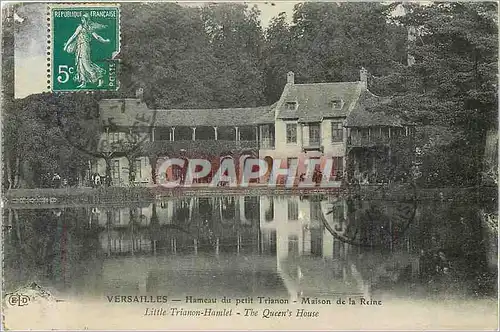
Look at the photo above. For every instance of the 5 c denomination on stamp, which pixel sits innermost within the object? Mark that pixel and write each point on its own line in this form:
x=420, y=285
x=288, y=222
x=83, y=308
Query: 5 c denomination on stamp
x=84, y=41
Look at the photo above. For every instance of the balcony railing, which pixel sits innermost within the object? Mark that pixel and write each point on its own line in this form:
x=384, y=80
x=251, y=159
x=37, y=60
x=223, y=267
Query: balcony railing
x=367, y=140
x=199, y=147
x=358, y=141
x=314, y=144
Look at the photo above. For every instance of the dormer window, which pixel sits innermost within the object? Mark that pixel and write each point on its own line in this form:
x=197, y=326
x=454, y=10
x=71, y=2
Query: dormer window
x=291, y=105
x=336, y=104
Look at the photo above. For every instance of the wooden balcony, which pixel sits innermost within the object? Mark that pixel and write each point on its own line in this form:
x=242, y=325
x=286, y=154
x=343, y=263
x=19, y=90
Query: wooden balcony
x=378, y=136
x=199, y=148
x=358, y=141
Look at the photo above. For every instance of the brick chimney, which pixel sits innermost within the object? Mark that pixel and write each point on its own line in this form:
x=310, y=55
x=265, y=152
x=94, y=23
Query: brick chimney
x=290, y=77
x=363, y=77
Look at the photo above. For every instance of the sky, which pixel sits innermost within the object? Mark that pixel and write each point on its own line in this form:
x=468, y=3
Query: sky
x=271, y=9
x=268, y=10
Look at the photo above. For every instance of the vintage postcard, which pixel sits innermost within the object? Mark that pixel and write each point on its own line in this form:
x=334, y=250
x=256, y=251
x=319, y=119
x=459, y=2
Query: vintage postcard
x=249, y=165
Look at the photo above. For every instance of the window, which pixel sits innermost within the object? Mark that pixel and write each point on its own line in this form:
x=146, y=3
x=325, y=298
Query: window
x=251, y=206
x=337, y=132
x=269, y=242
x=291, y=106
x=137, y=169
x=336, y=104
x=315, y=212
x=338, y=210
x=114, y=137
x=293, y=245
x=115, y=169
x=385, y=132
x=317, y=242
x=338, y=168
x=228, y=207
x=365, y=134
x=293, y=209
x=291, y=133
x=397, y=132
x=117, y=217
x=269, y=214
x=314, y=134
x=267, y=139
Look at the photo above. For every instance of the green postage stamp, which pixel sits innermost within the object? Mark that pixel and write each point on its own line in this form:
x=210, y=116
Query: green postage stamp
x=84, y=41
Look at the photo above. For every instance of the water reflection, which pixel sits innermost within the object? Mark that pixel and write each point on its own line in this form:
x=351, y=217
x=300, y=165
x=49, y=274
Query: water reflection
x=242, y=246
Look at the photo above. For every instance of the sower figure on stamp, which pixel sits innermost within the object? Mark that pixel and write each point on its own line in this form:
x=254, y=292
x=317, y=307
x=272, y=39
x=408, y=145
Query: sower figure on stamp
x=80, y=44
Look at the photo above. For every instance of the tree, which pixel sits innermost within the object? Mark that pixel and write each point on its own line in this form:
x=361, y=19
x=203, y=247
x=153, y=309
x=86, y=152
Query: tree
x=236, y=41
x=279, y=56
x=452, y=85
x=335, y=40
x=330, y=42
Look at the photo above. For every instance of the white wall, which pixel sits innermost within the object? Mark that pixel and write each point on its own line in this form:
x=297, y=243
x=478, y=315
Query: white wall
x=281, y=146
x=284, y=227
x=285, y=150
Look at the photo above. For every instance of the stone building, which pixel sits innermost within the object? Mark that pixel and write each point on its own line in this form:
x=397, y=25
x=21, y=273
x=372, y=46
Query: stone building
x=325, y=121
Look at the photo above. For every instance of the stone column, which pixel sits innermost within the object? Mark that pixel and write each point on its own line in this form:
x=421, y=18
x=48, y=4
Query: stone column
x=173, y=243
x=172, y=134
x=152, y=134
x=237, y=134
x=238, y=243
x=194, y=133
x=215, y=131
x=257, y=134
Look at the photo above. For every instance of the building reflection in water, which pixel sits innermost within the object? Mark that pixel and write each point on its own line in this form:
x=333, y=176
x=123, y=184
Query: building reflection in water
x=242, y=246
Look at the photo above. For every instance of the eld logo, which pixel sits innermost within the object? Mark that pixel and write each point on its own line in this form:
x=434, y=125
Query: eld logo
x=19, y=300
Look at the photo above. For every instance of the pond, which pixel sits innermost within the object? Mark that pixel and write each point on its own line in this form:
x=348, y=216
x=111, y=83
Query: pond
x=286, y=247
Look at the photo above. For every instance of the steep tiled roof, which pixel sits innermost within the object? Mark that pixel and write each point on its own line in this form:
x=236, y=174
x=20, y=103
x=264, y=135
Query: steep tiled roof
x=314, y=101
x=268, y=117
x=364, y=115
x=125, y=112
x=129, y=111
x=211, y=117
x=198, y=149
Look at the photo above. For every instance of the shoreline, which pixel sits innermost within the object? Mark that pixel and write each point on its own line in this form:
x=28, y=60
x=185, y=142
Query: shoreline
x=67, y=197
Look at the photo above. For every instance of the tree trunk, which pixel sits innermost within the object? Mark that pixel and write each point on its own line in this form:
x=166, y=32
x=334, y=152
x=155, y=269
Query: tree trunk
x=131, y=170
x=108, y=170
x=8, y=167
x=18, y=228
x=16, y=174
x=152, y=162
x=490, y=163
x=489, y=221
